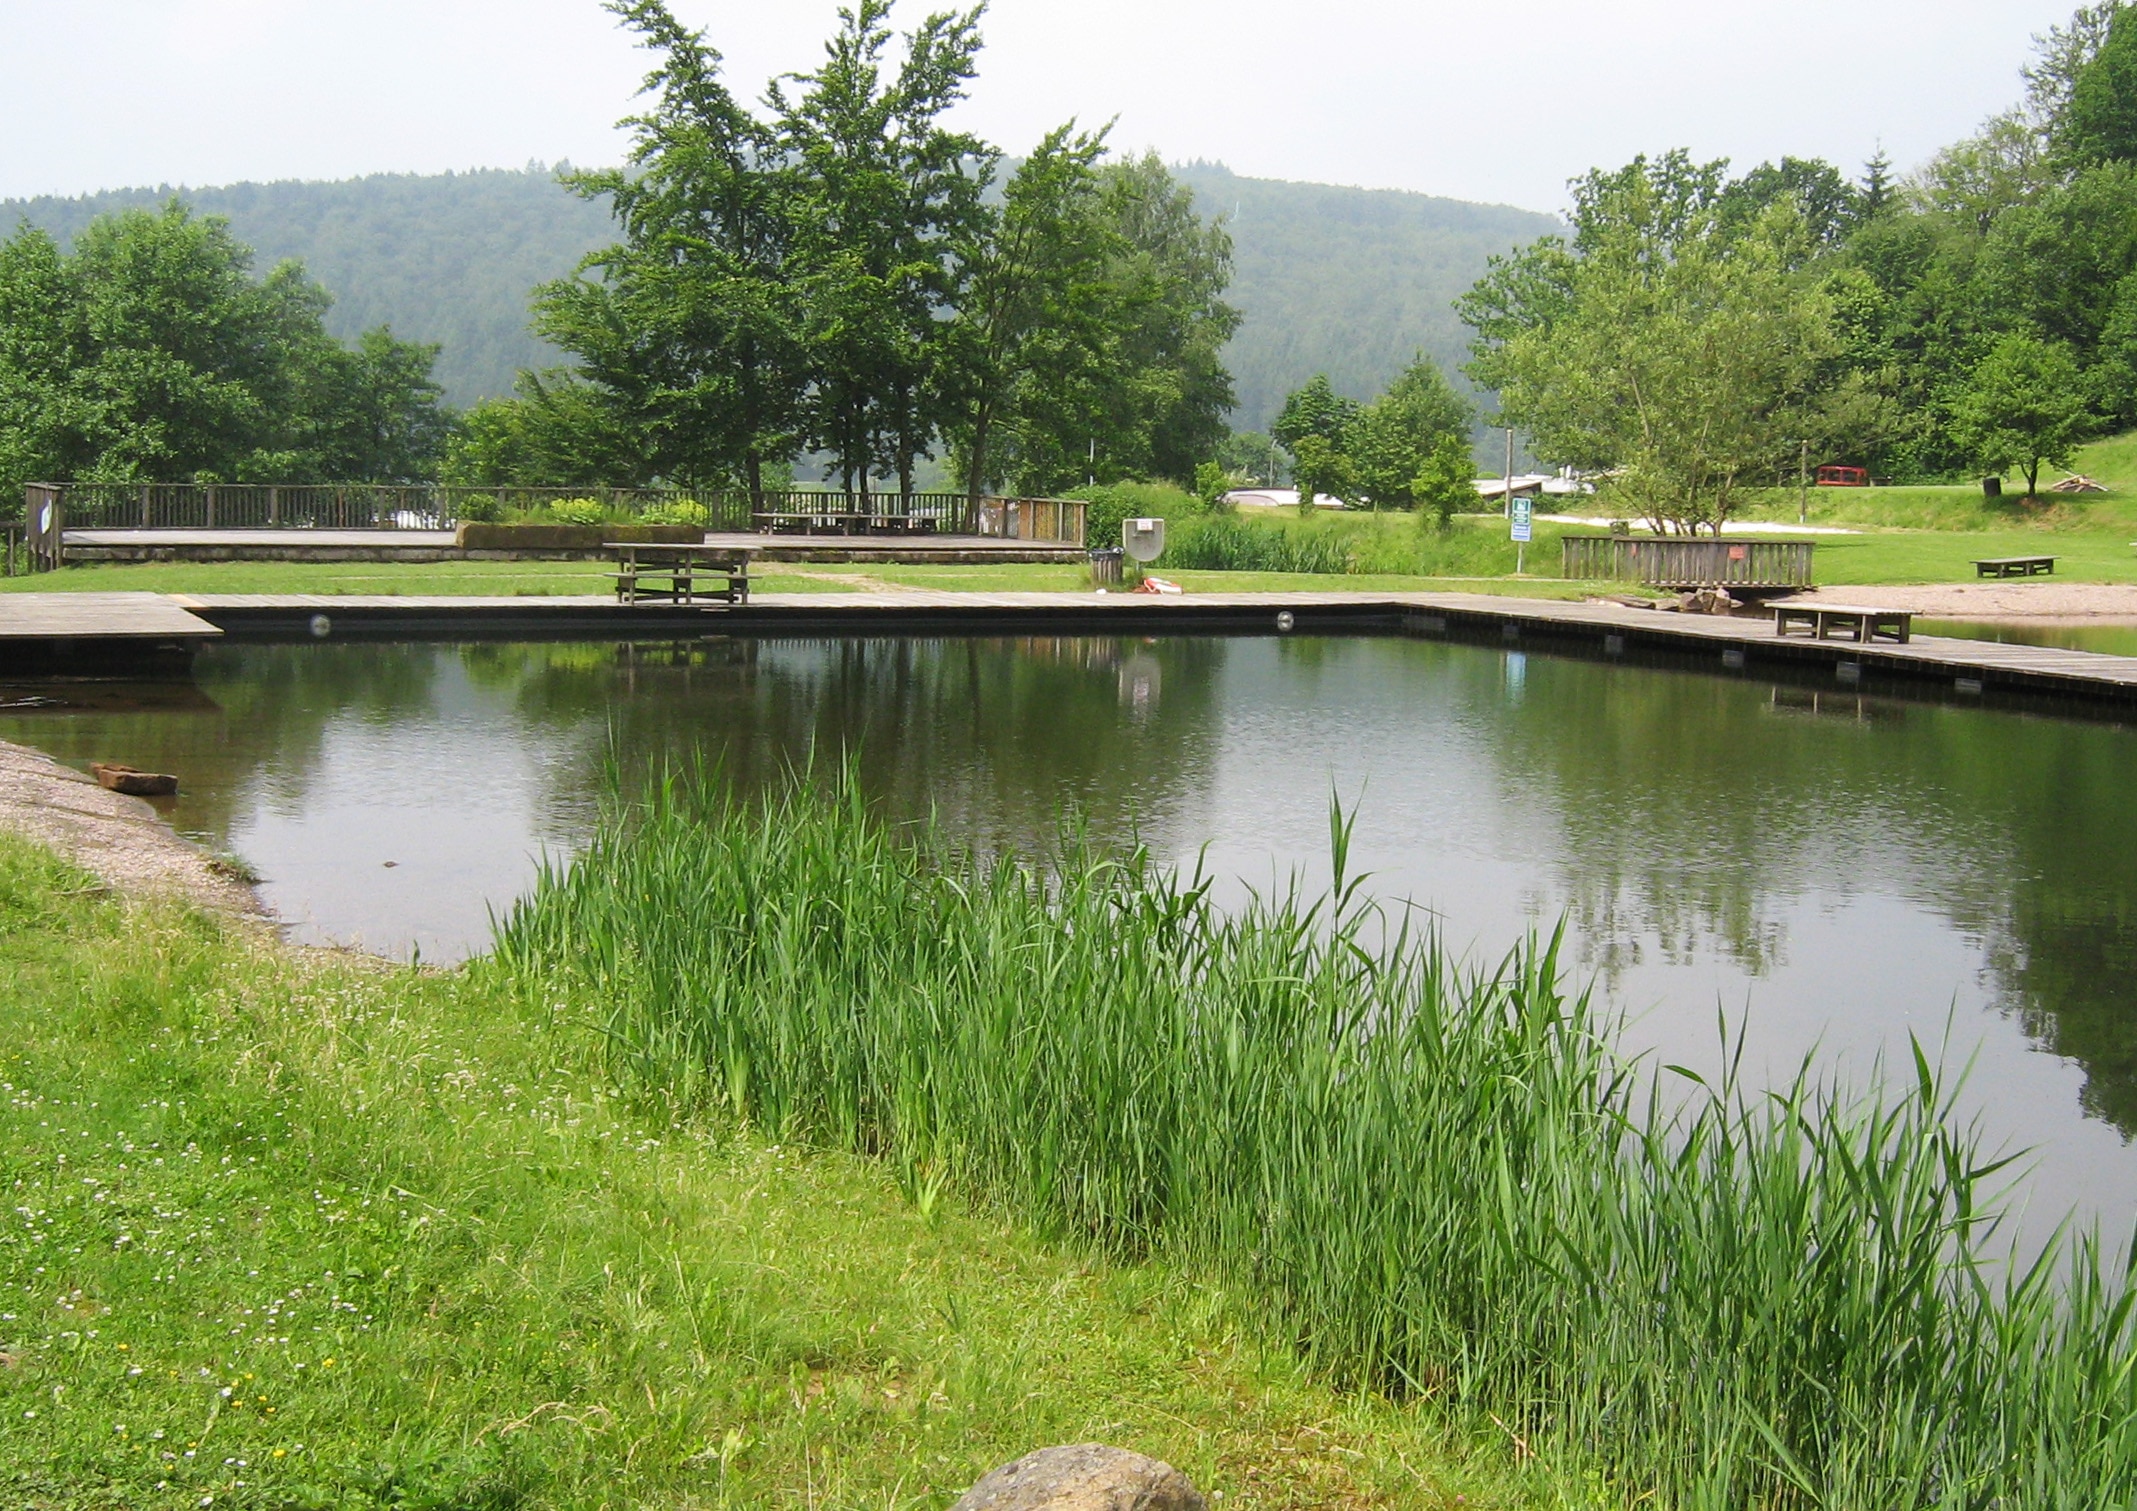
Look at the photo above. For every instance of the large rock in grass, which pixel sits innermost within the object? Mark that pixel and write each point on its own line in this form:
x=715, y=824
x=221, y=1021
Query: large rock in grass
x=1083, y=1477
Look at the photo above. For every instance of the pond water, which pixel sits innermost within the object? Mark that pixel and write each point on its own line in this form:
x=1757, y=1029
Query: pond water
x=1831, y=872
x=2110, y=637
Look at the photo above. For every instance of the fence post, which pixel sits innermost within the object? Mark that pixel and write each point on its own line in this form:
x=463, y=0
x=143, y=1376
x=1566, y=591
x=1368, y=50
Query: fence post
x=274, y=507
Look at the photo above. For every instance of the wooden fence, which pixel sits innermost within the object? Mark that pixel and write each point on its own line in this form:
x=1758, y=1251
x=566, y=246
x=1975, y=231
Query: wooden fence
x=1686, y=563
x=367, y=506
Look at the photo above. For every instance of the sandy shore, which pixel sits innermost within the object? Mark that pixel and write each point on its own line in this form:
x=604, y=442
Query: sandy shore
x=2039, y=598
x=122, y=840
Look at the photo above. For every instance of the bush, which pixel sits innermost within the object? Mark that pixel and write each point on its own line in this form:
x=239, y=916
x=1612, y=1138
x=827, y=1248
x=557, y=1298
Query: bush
x=479, y=508
x=681, y=511
x=578, y=511
x=1110, y=503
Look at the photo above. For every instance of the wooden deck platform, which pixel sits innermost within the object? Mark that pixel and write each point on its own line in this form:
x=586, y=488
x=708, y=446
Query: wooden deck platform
x=98, y=635
x=1953, y=666
x=438, y=545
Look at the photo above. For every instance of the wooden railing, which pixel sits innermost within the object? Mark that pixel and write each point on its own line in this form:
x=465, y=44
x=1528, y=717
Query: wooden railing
x=1667, y=563
x=374, y=506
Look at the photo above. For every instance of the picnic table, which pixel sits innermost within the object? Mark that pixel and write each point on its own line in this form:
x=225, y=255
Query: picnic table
x=1833, y=621
x=2014, y=566
x=646, y=572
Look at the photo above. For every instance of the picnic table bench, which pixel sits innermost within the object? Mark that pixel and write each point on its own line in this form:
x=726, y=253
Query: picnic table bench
x=1831, y=621
x=2014, y=566
x=841, y=522
x=680, y=574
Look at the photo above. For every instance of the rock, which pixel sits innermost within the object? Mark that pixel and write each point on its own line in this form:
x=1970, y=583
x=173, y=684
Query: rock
x=1083, y=1477
x=131, y=782
x=1707, y=601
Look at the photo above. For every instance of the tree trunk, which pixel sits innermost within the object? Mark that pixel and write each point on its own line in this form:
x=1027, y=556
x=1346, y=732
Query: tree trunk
x=753, y=468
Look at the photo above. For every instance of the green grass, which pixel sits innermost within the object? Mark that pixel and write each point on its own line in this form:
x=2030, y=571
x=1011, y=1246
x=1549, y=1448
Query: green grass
x=297, y=1231
x=1438, y=1182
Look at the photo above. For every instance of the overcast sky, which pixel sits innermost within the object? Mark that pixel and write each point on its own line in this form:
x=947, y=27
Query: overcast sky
x=1500, y=101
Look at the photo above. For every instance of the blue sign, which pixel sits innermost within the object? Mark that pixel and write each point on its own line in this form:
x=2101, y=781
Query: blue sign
x=1524, y=511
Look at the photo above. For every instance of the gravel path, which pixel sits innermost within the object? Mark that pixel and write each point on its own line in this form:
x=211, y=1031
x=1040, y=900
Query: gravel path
x=2040, y=597
x=123, y=840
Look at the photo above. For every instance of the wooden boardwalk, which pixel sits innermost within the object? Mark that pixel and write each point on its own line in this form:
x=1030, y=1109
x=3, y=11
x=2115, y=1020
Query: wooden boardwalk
x=1729, y=644
x=439, y=545
x=99, y=616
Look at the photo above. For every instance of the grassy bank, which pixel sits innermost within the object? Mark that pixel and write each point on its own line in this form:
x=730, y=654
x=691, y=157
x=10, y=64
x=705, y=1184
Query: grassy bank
x=1440, y=1184
x=301, y=1232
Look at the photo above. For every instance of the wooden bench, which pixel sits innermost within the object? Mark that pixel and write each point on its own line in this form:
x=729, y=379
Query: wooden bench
x=1838, y=622
x=2015, y=566
x=647, y=573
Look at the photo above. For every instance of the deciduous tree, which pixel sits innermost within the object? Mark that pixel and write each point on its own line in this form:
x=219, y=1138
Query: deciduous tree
x=2025, y=404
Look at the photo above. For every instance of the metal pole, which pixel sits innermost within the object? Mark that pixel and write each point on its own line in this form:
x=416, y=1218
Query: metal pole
x=1090, y=477
x=1507, y=502
x=1803, y=483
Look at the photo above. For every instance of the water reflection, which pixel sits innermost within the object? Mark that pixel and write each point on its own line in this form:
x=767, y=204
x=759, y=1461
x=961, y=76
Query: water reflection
x=1839, y=870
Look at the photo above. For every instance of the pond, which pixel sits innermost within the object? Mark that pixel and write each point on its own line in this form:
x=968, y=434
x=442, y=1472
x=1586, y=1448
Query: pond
x=1831, y=872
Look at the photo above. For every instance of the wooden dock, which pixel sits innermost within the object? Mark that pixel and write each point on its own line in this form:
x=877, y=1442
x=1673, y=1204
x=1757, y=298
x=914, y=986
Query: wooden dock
x=1725, y=645
x=98, y=634
x=423, y=546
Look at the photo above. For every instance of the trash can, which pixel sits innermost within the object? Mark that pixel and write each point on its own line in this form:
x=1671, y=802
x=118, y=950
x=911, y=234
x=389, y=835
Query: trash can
x=1105, y=566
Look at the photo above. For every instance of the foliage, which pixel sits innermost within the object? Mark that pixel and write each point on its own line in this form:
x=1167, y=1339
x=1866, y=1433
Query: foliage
x=1212, y=483
x=1315, y=409
x=1443, y=486
x=1229, y=544
x=681, y=511
x=2099, y=121
x=1255, y=457
x=1441, y=1181
x=1396, y=437
x=1320, y=470
x=1107, y=504
x=2025, y=404
x=150, y=351
x=555, y=432
x=302, y=1179
x=1666, y=342
x=578, y=511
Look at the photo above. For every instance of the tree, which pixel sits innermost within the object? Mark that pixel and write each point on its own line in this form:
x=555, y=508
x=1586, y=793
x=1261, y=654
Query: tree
x=1681, y=351
x=150, y=351
x=1444, y=484
x=1028, y=348
x=1390, y=441
x=2099, y=122
x=1320, y=470
x=686, y=331
x=1167, y=392
x=2024, y=404
x=556, y=431
x=1315, y=409
x=886, y=206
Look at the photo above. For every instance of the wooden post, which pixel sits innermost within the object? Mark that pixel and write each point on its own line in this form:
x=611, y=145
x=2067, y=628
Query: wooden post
x=274, y=507
x=211, y=506
x=144, y=505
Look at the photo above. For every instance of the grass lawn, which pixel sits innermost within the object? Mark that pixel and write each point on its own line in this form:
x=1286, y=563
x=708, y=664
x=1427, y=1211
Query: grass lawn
x=302, y=1231
x=542, y=578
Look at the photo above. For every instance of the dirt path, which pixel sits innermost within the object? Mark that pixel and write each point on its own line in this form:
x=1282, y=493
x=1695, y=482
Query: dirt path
x=2039, y=598
x=123, y=840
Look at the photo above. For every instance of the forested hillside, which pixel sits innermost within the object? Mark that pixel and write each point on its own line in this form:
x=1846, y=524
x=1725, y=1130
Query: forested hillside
x=448, y=258
x=1350, y=282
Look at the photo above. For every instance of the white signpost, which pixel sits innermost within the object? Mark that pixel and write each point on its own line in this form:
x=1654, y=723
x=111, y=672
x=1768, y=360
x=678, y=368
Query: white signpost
x=1521, y=513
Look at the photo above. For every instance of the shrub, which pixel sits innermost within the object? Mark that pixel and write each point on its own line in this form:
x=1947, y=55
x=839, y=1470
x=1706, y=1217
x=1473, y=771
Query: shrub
x=680, y=511
x=578, y=511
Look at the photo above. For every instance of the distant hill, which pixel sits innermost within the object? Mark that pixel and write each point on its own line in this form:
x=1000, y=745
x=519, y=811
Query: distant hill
x=1349, y=282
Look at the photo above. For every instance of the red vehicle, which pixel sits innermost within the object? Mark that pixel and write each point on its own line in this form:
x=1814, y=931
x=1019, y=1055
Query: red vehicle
x=1843, y=477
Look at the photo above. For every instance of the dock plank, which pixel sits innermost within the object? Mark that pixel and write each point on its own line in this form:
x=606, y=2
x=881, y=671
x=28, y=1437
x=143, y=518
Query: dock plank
x=99, y=616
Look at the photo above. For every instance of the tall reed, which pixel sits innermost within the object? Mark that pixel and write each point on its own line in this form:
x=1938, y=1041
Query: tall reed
x=1443, y=1179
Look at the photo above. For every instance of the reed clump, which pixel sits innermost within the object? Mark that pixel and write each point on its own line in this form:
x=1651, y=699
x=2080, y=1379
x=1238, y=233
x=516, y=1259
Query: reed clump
x=1443, y=1179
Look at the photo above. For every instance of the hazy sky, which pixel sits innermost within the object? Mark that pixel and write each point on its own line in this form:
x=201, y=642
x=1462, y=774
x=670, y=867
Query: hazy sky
x=1498, y=101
